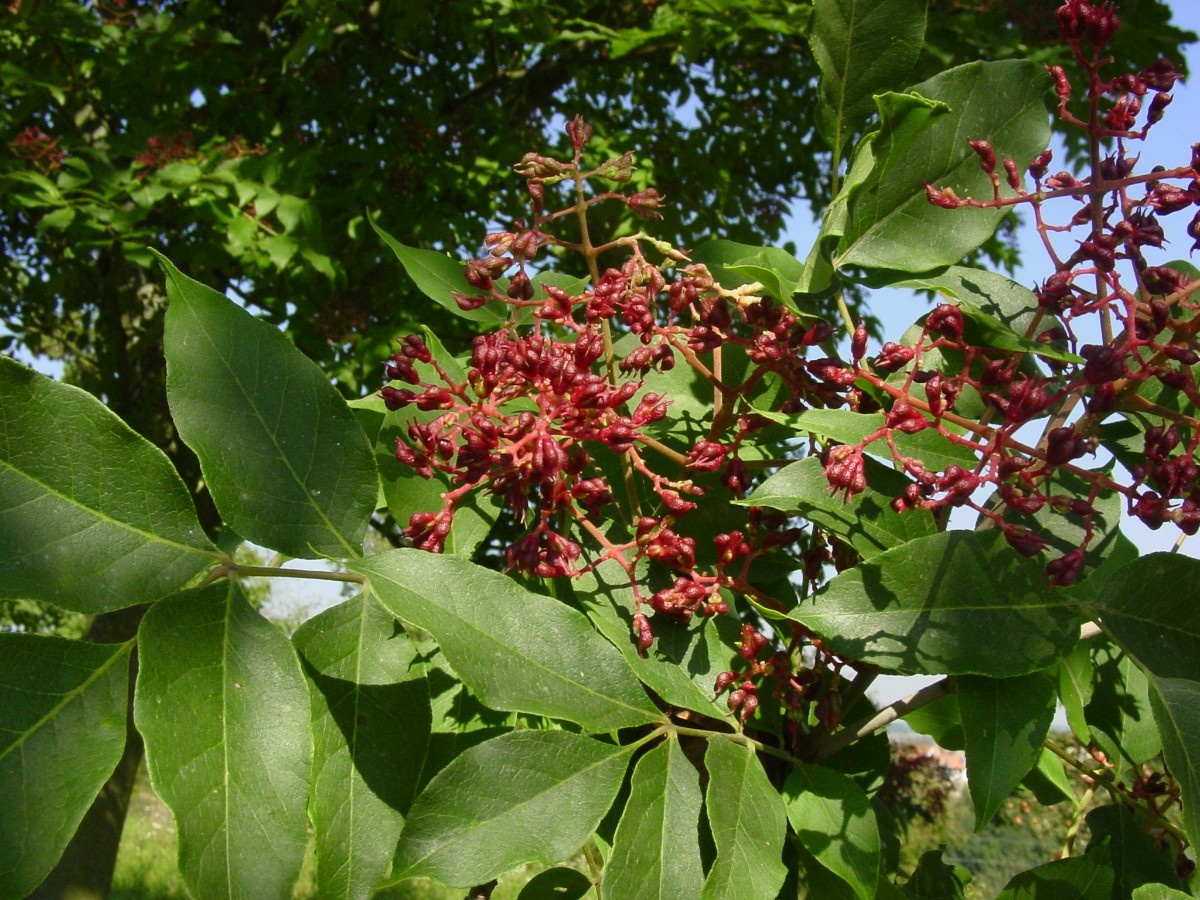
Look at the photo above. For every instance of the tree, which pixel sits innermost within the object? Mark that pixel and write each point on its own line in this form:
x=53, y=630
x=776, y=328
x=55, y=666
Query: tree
x=763, y=305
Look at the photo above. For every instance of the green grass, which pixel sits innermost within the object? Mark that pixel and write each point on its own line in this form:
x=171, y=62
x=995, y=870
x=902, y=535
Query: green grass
x=146, y=865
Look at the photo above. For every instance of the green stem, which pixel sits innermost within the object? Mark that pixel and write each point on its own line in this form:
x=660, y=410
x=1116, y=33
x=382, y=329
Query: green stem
x=240, y=571
x=1105, y=781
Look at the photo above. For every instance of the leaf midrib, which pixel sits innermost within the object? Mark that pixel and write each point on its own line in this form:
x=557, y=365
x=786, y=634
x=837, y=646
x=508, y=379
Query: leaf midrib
x=257, y=413
x=514, y=652
x=69, y=696
x=99, y=515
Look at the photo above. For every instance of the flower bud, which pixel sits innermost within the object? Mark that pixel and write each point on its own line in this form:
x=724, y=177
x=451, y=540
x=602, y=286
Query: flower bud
x=579, y=131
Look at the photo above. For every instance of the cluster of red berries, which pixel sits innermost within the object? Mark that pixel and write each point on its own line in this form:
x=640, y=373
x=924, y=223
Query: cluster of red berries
x=1146, y=326
x=40, y=149
x=547, y=412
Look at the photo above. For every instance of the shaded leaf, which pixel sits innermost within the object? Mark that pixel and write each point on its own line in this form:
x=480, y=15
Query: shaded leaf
x=941, y=721
x=559, y=883
x=224, y=710
x=1118, y=714
x=1075, y=689
x=748, y=822
x=863, y=47
x=1176, y=705
x=93, y=517
x=527, y=796
x=833, y=819
x=1085, y=877
x=682, y=665
x=1005, y=721
x=1151, y=608
x=63, y=710
x=933, y=879
x=1134, y=857
x=287, y=464
x=959, y=603
x=371, y=724
x=516, y=650
x=1048, y=780
x=656, y=850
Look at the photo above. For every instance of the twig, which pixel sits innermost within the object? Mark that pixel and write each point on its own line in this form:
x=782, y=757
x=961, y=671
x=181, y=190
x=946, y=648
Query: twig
x=884, y=717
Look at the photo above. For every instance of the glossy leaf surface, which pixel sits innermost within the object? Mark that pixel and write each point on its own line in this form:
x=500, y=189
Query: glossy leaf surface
x=224, y=710
x=516, y=650
x=527, y=796
x=748, y=822
x=953, y=603
x=371, y=724
x=846, y=427
x=439, y=277
x=92, y=516
x=287, y=464
x=63, y=710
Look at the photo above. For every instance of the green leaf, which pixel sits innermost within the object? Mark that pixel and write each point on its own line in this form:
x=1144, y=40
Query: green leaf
x=1151, y=608
x=1005, y=721
x=370, y=721
x=1134, y=856
x=656, y=850
x=935, y=880
x=959, y=603
x=516, y=650
x=559, y=883
x=748, y=822
x=867, y=520
x=1176, y=705
x=892, y=224
x=1075, y=689
x=734, y=265
x=941, y=721
x=528, y=796
x=929, y=447
x=1158, y=892
x=834, y=821
x=682, y=665
x=1118, y=714
x=63, y=711
x=1076, y=878
x=863, y=47
x=1048, y=780
x=1013, y=304
x=439, y=277
x=287, y=464
x=223, y=708
x=92, y=516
